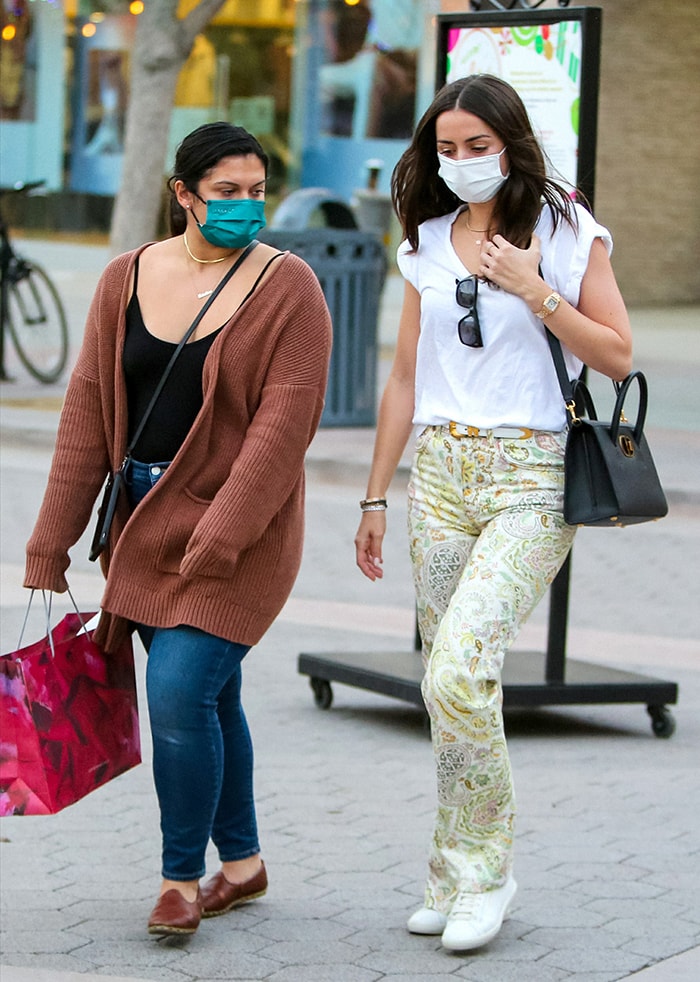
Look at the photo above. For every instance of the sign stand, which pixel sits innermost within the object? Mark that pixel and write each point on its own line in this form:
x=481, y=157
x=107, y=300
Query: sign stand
x=552, y=58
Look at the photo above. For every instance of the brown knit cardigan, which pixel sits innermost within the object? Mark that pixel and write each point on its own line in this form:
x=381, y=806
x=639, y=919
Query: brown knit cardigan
x=217, y=543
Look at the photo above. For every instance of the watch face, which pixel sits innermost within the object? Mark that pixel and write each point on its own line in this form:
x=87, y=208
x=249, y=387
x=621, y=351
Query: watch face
x=551, y=303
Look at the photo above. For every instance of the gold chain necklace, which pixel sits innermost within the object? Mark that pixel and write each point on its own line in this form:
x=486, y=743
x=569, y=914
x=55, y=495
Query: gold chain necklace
x=204, y=293
x=203, y=261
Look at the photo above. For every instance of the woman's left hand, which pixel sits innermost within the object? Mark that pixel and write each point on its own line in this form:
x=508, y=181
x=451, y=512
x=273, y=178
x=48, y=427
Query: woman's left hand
x=515, y=270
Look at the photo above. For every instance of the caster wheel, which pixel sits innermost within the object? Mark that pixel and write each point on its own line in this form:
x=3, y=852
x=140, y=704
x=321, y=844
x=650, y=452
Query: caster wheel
x=663, y=724
x=323, y=694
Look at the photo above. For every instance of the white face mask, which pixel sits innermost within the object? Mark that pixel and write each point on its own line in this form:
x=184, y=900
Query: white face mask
x=474, y=179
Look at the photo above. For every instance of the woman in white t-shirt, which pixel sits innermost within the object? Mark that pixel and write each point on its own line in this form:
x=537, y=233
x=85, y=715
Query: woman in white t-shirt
x=494, y=251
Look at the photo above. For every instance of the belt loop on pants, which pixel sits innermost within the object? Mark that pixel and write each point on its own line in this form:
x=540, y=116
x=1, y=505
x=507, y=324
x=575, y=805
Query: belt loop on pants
x=460, y=430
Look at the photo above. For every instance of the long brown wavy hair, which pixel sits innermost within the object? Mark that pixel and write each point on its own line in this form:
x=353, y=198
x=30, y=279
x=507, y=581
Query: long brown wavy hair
x=418, y=193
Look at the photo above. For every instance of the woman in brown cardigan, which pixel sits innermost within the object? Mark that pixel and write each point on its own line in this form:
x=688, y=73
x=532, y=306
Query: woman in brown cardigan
x=204, y=552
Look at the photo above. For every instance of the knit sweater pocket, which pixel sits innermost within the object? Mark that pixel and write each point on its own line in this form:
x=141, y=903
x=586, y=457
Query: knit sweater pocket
x=176, y=532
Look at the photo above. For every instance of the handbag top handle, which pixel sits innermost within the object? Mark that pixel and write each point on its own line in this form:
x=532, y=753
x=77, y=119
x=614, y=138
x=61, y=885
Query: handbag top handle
x=565, y=384
x=577, y=397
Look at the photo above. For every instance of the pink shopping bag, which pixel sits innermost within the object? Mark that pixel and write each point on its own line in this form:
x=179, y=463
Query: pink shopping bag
x=68, y=719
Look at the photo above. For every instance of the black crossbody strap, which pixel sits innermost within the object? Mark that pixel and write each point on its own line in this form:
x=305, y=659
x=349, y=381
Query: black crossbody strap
x=187, y=335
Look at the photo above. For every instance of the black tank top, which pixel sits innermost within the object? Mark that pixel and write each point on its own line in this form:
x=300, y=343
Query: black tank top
x=144, y=361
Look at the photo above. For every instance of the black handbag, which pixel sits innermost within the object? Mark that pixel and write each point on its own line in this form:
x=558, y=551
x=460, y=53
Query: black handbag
x=609, y=474
x=106, y=511
x=117, y=480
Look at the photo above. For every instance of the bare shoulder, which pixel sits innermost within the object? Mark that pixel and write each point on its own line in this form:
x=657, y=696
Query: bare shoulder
x=163, y=251
x=258, y=263
x=265, y=251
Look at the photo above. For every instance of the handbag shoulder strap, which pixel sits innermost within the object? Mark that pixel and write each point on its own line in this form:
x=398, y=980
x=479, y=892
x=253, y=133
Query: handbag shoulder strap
x=181, y=344
x=565, y=384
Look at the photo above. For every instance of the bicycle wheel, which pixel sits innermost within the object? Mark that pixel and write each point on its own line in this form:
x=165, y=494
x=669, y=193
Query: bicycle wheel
x=37, y=323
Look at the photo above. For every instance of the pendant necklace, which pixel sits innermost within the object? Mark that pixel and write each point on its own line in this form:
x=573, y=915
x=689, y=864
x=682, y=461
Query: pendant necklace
x=204, y=293
x=474, y=231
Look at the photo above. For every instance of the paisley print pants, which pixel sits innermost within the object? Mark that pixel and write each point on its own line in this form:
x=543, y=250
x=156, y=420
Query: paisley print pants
x=487, y=537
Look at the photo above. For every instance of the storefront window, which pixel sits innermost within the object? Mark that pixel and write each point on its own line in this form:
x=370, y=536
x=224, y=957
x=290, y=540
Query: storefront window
x=250, y=68
x=360, y=84
x=368, y=77
x=18, y=62
x=240, y=69
x=108, y=88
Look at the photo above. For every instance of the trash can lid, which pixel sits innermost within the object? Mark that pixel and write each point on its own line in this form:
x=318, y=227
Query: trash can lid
x=297, y=210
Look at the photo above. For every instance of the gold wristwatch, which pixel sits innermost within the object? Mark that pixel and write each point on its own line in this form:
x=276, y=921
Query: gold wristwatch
x=549, y=305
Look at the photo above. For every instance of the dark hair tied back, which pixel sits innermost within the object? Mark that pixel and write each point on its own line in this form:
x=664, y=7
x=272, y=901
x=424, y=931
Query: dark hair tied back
x=201, y=150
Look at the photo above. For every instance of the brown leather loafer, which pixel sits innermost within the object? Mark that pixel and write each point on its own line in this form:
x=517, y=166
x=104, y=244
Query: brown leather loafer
x=219, y=896
x=175, y=915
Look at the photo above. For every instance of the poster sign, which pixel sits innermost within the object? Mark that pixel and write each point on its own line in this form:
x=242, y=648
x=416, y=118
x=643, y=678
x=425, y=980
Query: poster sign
x=551, y=58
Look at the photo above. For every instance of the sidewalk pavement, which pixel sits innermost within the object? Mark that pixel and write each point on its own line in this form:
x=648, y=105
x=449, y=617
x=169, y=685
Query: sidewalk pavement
x=607, y=853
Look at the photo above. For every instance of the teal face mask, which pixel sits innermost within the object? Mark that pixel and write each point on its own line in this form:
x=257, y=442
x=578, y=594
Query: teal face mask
x=232, y=224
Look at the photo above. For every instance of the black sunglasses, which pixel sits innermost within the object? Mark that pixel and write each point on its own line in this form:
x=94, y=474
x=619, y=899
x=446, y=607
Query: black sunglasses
x=468, y=328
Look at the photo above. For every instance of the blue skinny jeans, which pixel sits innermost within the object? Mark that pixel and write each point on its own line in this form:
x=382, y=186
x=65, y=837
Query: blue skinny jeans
x=202, y=750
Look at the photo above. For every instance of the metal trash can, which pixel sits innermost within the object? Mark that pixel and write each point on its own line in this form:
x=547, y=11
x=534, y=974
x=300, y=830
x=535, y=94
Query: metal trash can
x=351, y=267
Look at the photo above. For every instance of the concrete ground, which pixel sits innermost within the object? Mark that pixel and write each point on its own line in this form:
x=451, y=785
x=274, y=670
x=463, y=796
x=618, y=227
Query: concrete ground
x=607, y=848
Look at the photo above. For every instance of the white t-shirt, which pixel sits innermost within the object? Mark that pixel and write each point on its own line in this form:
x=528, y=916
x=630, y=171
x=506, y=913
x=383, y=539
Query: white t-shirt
x=511, y=381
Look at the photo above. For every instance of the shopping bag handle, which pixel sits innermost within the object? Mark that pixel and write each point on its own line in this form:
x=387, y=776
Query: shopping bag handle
x=47, y=611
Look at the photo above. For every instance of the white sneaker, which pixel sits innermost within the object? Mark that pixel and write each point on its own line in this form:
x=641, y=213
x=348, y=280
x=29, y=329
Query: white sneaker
x=427, y=921
x=476, y=918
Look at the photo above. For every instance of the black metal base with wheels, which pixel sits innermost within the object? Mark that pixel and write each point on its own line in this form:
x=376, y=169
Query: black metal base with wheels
x=399, y=673
x=530, y=678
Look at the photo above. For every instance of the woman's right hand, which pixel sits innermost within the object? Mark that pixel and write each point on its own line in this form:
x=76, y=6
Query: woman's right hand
x=368, y=544
x=394, y=425
x=41, y=573
x=53, y=584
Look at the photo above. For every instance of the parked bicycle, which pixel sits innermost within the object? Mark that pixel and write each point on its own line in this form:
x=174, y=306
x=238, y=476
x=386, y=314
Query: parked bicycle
x=31, y=312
